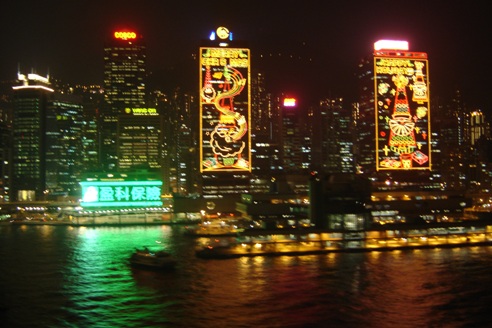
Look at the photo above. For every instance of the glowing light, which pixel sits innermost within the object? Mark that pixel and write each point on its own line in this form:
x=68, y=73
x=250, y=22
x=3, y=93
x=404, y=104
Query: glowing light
x=289, y=102
x=125, y=35
x=32, y=87
x=141, y=111
x=121, y=193
x=391, y=45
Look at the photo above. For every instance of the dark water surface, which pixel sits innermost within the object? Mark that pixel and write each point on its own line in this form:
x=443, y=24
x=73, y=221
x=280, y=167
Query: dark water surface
x=62, y=276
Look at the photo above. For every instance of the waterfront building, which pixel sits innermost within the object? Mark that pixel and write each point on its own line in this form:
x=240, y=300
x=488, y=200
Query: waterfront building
x=124, y=87
x=29, y=143
x=65, y=146
x=46, y=141
x=275, y=210
x=353, y=202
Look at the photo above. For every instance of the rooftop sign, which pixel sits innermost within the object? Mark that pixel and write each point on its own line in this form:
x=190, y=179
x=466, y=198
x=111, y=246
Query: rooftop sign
x=391, y=45
x=125, y=35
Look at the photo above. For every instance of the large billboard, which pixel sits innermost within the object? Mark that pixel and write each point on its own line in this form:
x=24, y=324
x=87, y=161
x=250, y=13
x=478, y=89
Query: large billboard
x=403, y=112
x=121, y=193
x=225, y=136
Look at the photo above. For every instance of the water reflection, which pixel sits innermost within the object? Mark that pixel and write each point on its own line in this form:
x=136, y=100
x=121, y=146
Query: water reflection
x=80, y=277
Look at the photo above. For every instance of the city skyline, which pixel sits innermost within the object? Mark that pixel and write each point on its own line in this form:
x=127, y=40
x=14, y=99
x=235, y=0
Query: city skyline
x=314, y=47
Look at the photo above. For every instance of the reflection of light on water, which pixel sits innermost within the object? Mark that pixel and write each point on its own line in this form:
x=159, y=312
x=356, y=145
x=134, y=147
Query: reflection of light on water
x=98, y=272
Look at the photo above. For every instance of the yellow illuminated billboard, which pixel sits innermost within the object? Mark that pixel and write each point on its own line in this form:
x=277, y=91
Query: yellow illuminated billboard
x=403, y=111
x=225, y=137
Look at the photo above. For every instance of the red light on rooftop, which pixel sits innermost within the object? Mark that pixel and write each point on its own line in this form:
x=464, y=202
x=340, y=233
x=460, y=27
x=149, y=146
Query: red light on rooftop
x=125, y=35
x=289, y=102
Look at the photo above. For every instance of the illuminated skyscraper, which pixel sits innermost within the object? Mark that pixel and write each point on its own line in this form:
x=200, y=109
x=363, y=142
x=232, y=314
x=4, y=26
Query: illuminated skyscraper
x=139, y=139
x=295, y=137
x=225, y=132
x=124, y=87
x=394, y=123
x=31, y=106
x=46, y=140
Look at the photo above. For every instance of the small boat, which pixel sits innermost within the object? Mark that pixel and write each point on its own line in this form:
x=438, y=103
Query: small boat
x=155, y=260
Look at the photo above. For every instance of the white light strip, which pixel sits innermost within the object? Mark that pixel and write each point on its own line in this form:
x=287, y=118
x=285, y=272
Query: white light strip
x=32, y=87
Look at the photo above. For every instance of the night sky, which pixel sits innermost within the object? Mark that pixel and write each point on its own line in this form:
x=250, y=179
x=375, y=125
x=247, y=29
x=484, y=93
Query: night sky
x=315, y=46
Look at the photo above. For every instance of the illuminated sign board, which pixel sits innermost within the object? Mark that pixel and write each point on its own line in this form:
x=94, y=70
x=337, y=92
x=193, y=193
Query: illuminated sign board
x=125, y=35
x=391, y=45
x=141, y=111
x=225, y=137
x=403, y=110
x=121, y=193
x=290, y=102
x=222, y=32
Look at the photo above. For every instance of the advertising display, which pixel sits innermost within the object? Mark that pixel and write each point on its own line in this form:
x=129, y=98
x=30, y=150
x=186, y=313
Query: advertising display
x=225, y=109
x=402, y=111
x=121, y=193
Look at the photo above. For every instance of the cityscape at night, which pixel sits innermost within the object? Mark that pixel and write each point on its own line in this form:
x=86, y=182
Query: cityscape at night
x=159, y=157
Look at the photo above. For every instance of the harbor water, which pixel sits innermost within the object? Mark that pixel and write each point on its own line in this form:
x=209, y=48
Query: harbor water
x=67, y=276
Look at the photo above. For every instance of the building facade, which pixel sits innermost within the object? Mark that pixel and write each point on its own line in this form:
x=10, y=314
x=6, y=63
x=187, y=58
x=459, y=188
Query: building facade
x=225, y=115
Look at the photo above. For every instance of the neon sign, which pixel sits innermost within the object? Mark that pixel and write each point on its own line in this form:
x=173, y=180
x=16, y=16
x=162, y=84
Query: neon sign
x=141, y=111
x=123, y=35
x=402, y=107
x=121, y=193
x=391, y=45
x=225, y=137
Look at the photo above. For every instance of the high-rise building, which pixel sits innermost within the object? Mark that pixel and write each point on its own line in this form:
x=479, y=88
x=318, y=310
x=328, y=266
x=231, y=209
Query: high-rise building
x=29, y=144
x=65, y=145
x=295, y=137
x=124, y=87
x=46, y=140
x=394, y=124
x=139, y=135
x=478, y=126
x=332, y=137
x=265, y=150
x=225, y=123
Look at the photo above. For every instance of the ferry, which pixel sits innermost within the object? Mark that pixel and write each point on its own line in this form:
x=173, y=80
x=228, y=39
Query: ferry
x=154, y=260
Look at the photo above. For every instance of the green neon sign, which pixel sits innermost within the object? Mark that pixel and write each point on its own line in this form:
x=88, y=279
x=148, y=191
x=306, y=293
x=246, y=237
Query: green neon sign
x=121, y=193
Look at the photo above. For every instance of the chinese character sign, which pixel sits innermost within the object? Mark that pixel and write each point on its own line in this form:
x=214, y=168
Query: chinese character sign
x=121, y=193
x=225, y=109
x=402, y=107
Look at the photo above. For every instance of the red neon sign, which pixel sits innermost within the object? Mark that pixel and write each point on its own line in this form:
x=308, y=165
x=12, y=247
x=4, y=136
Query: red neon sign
x=124, y=35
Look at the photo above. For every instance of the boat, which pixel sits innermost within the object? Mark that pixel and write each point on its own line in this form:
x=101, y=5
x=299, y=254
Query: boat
x=206, y=231
x=215, y=228
x=153, y=260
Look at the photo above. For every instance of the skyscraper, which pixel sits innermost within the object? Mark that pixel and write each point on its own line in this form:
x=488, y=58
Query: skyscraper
x=295, y=138
x=46, y=140
x=332, y=137
x=124, y=86
x=225, y=132
x=394, y=109
x=139, y=135
x=31, y=99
